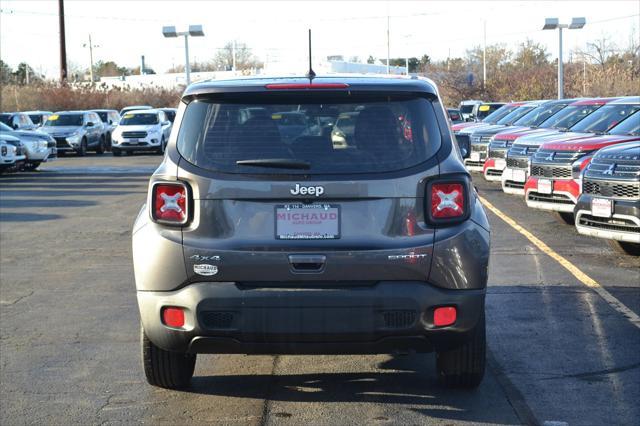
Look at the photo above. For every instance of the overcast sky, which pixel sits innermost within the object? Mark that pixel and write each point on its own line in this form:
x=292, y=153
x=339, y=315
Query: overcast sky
x=276, y=31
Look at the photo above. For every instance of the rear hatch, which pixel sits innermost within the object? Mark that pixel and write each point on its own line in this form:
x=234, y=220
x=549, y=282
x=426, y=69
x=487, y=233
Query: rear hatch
x=278, y=200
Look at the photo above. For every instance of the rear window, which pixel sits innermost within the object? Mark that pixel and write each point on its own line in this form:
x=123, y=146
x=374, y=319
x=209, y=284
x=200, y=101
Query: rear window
x=466, y=109
x=346, y=133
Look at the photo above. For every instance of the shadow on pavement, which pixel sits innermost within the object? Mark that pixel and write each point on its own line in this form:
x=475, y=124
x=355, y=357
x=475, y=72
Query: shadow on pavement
x=404, y=380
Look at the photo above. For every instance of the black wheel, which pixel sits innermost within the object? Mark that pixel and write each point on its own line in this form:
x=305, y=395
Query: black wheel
x=624, y=247
x=32, y=165
x=116, y=152
x=170, y=370
x=464, y=366
x=565, y=217
x=82, y=151
x=108, y=144
x=162, y=147
x=101, y=146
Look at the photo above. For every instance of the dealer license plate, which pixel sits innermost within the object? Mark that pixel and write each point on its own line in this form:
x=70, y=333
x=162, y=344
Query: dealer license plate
x=601, y=207
x=307, y=222
x=545, y=186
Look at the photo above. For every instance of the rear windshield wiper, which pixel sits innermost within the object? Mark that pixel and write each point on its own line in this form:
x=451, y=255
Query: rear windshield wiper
x=276, y=163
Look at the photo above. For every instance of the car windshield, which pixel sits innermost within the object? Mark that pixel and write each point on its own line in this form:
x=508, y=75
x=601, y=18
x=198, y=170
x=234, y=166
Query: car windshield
x=629, y=127
x=569, y=116
x=485, y=110
x=139, y=119
x=5, y=128
x=499, y=114
x=57, y=120
x=6, y=119
x=466, y=109
x=372, y=133
x=605, y=118
x=538, y=115
x=514, y=115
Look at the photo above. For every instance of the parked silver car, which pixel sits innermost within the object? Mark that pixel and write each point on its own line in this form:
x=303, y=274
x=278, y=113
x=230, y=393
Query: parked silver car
x=77, y=131
x=110, y=119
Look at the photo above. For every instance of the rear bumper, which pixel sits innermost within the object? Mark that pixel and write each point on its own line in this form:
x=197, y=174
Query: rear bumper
x=623, y=225
x=388, y=317
x=563, y=197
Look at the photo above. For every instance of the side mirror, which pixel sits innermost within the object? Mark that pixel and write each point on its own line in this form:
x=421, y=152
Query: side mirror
x=90, y=124
x=15, y=126
x=110, y=122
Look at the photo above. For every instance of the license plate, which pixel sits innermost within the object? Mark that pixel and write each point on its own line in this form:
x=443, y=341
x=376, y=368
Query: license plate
x=519, y=176
x=545, y=186
x=133, y=141
x=307, y=222
x=501, y=163
x=475, y=156
x=601, y=207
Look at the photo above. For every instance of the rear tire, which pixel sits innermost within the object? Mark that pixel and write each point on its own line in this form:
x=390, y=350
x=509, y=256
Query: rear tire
x=116, y=152
x=464, y=366
x=162, y=147
x=565, y=217
x=624, y=247
x=169, y=370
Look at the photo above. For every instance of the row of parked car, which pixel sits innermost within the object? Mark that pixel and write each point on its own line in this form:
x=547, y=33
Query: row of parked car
x=579, y=158
x=28, y=139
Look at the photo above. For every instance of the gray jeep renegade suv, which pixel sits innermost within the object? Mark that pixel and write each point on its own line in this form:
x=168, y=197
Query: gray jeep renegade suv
x=262, y=235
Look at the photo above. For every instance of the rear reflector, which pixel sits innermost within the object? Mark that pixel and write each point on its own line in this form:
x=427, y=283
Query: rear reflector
x=173, y=317
x=444, y=316
x=447, y=200
x=299, y=86
x=169, y=203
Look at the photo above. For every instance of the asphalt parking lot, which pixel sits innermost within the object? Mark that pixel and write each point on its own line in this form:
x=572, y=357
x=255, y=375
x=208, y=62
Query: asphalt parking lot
x=558, y=350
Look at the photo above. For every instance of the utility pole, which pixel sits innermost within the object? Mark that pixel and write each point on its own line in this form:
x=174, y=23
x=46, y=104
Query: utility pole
x=233, y=65
x=388, y=52
x=91, y=46
x=63, y=44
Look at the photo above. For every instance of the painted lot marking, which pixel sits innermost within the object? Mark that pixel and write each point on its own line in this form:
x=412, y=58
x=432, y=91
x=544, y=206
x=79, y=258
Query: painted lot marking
x=581, y=276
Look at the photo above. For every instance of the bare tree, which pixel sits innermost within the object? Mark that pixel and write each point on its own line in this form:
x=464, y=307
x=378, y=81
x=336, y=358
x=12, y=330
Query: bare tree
x=244, y=58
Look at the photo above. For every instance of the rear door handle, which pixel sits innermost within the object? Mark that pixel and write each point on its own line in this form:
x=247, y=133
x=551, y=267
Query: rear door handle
x=307, y=263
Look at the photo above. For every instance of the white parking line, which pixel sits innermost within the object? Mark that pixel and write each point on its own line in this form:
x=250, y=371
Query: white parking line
x=575, y=271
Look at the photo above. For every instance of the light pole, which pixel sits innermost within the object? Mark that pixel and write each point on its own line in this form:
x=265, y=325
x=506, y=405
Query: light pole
x=194, y=31
x=552, y=24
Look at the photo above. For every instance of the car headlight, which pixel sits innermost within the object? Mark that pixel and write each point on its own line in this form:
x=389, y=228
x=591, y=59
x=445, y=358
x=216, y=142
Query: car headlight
x=74, y=138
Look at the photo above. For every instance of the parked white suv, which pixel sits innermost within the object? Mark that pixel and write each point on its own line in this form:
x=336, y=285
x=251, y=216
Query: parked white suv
x=11, y=156
x=142, y=130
